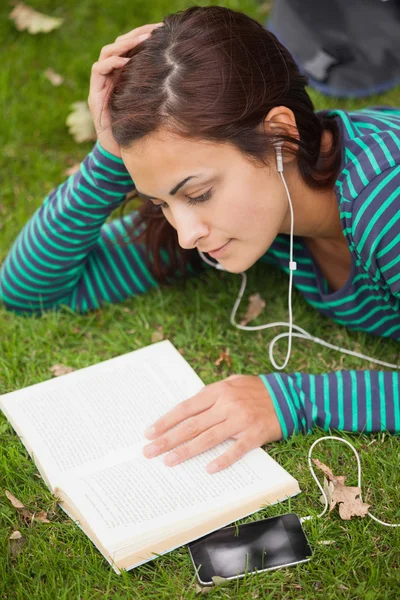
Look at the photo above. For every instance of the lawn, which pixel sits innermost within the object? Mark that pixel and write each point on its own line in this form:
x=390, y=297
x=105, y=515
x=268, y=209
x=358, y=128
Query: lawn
x=353, y=559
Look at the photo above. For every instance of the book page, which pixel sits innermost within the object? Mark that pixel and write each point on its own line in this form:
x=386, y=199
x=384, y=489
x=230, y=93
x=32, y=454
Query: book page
x=136, y=498
x=99, y=410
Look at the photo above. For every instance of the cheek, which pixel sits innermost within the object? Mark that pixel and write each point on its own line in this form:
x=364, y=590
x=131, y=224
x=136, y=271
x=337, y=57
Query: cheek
x=168, y=216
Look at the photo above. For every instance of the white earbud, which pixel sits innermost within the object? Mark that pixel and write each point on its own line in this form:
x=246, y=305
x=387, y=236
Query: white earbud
x=299, y=332
x=279, y=157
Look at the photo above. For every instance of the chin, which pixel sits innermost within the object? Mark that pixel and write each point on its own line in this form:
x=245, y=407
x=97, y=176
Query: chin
x=237, y=266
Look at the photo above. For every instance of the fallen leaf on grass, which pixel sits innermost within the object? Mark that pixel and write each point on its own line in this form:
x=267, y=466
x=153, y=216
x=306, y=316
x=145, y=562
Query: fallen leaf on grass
x=265, y=7
x=71, y=170
x=26, y=515
x=329, y=488
x=60, y=369
x=17, y=541
x=80, y=123
x=217, y=581
x=256, y=305
x=27, y=18
x=130, y=195
x=224, y=356
x=16, y=535
x=54, y=77
x=347, y=498
x=158, y=335
x=14, y=501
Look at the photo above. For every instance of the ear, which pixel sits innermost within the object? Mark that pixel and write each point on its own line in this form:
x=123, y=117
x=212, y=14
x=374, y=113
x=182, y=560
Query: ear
x=281, y=120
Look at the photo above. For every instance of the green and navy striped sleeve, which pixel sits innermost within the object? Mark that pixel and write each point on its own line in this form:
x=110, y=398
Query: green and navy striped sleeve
x=363, y=401
x=67, y=254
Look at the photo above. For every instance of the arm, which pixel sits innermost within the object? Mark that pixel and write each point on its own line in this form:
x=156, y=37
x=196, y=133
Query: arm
x=364, y=401
x=66, y=254
x=375, y=228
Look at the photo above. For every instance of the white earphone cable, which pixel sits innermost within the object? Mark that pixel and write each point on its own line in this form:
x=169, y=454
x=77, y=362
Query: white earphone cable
x=333, y=437
x=303, y=334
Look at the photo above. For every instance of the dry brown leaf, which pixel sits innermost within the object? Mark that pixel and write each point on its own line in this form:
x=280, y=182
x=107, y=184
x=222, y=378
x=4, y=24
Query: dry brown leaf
x=27, y=516
x=80, y=123
x=71, y=170
x=17, y=542
x=14, y=501
x=217, y=581
x=60, y=369
x=27, y=18
x=24, y=512
x=203, y=589
x=256, y=305
x=158, y=335
x=224, y=356
x=265, y=7
x=347, y=498
x=328, y=489
x=131, y=194
x=16, y=535
x=54, y=77
x=41, y=516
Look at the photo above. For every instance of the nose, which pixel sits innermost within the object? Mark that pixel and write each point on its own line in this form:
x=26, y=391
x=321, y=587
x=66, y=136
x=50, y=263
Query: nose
x=190, y=227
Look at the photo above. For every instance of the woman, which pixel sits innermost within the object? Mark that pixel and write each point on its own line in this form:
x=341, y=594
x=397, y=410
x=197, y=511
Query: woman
x=194, y=110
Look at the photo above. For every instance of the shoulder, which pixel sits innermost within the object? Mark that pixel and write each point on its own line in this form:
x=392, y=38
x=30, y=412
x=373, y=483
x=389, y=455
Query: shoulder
x=370, y=145
x=368, y=188
x=375, y=226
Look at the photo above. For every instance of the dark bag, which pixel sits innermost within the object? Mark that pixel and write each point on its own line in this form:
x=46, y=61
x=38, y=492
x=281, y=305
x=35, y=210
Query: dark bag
x=345, y=47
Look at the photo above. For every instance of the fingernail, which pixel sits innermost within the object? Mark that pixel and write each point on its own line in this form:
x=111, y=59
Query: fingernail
x=150, y=432
x=212, y=468
x=171, y=458
x=150, y=451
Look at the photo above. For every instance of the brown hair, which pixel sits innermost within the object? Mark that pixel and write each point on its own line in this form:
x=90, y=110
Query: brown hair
x=213, y=73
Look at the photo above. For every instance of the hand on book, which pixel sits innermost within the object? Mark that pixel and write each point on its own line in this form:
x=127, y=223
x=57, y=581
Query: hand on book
x=238, y=407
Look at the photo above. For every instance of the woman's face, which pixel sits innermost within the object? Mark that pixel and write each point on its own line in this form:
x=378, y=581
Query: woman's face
x=240, y=208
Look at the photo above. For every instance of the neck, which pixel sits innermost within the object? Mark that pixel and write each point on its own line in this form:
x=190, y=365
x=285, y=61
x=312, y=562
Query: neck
x=316, y=212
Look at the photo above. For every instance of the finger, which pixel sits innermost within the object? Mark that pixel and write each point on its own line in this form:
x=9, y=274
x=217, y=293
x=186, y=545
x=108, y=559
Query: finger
x=188, y=408
x=191, y=428
x=119, y=48
x=210, y=438
x=238, y=449
x=125, y=43
x=139, y=30
x=101, y=69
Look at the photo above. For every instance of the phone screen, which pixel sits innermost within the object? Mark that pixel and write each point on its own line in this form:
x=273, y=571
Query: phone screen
x=233, y=551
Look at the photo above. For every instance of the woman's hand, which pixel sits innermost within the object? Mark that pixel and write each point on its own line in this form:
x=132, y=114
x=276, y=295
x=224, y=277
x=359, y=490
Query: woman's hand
x=100, y=81
x=237, y=407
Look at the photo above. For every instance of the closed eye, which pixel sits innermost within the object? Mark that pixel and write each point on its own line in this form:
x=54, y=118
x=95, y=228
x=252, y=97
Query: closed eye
x=197, y=200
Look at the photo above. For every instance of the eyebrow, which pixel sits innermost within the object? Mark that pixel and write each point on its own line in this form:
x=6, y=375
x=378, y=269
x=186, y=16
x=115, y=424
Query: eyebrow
x=173, y=191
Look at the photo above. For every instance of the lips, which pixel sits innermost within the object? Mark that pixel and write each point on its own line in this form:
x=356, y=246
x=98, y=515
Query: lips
x=219, y=251
x=216, y=249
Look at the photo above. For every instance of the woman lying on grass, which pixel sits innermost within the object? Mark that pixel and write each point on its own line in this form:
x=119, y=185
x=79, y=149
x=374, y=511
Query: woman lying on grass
x=198, y=107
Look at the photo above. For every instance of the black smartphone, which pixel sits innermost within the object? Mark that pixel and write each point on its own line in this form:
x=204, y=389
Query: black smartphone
x=236, y=551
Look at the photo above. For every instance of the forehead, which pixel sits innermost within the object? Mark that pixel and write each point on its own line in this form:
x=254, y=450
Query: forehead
x=169, y=157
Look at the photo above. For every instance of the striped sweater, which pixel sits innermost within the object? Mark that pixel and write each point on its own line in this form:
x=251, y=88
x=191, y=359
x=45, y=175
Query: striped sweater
x=68, y=255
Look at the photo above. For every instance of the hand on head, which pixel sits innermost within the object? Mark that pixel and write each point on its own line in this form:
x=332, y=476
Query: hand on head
x=100, y=81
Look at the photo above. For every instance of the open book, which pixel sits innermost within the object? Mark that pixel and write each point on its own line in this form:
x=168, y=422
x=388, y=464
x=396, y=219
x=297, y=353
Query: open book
x=85, y=430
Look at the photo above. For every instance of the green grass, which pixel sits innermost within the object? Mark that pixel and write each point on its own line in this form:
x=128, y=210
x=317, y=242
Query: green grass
x=58, y=561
